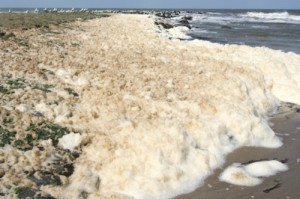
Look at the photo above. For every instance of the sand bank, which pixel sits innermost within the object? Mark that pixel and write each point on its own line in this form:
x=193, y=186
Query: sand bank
x=154, y=116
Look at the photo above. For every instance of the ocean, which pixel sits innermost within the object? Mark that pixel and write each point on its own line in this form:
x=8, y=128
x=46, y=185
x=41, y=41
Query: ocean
x=276, y=29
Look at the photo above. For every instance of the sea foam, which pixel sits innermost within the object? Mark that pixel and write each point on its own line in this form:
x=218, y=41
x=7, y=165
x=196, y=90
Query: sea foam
x=251, y=174
x=163, y=114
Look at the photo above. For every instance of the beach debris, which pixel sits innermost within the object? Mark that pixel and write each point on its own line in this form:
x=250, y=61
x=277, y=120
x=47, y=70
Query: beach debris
x=251, y=174
x=269, y=189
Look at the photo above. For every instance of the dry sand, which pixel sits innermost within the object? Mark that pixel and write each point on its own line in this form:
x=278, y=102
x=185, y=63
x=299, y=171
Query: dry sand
x=144, y=114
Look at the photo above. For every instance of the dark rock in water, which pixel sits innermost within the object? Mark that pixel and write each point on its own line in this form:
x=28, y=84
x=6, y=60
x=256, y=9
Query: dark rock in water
x=164, y=25
x=166, y=14
x=188, y=18
x=226, y=27
x=185, y=21
x=201, y=38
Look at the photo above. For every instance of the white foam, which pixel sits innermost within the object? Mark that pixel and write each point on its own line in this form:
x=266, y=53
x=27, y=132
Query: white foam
x=265, y=168
x=236, y=174
x=68, y=77
x=70, y=141
x=251, y=174
x=260, y=17
x=164, y=114
x=275, y=17
x=22, y=108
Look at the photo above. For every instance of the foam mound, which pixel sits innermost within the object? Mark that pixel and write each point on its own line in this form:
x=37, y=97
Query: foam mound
x=168, y=112
x=251, y=174
x=159, y=115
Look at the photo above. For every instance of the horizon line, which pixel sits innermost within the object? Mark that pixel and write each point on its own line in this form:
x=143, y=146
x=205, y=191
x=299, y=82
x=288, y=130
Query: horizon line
x=157, y=8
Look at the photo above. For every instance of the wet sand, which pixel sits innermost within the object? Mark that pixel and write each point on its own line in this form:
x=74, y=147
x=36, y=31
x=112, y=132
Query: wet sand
x=284, y=185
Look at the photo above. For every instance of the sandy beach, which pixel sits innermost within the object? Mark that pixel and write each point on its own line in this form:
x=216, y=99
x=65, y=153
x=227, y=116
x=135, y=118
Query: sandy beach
x=115, y=107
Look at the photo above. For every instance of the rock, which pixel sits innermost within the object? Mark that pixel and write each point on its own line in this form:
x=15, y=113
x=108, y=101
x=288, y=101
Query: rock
x=164, y=25
x=164, y=14
x=185, y=21
x=188, y=18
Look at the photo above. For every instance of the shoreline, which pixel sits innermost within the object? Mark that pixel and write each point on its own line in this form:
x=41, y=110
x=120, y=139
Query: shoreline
x=90, y=93
x=286, y=124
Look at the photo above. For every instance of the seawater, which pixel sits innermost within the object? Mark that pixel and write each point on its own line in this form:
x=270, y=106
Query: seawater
x=276, y=29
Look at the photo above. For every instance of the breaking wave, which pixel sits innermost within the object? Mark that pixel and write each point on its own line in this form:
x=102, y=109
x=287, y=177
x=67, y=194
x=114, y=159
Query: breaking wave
x=275, y=17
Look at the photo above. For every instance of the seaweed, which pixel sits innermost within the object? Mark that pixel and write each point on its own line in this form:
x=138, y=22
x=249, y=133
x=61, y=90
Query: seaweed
x=44, y=70
x=7, y=121
x=4, y=90
x=6, y=136
x=21, y=83
x=24, y=192
x=43, y=87
x=71, y=92
x=16, y=83
x=46, y=178
x=48, y=131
